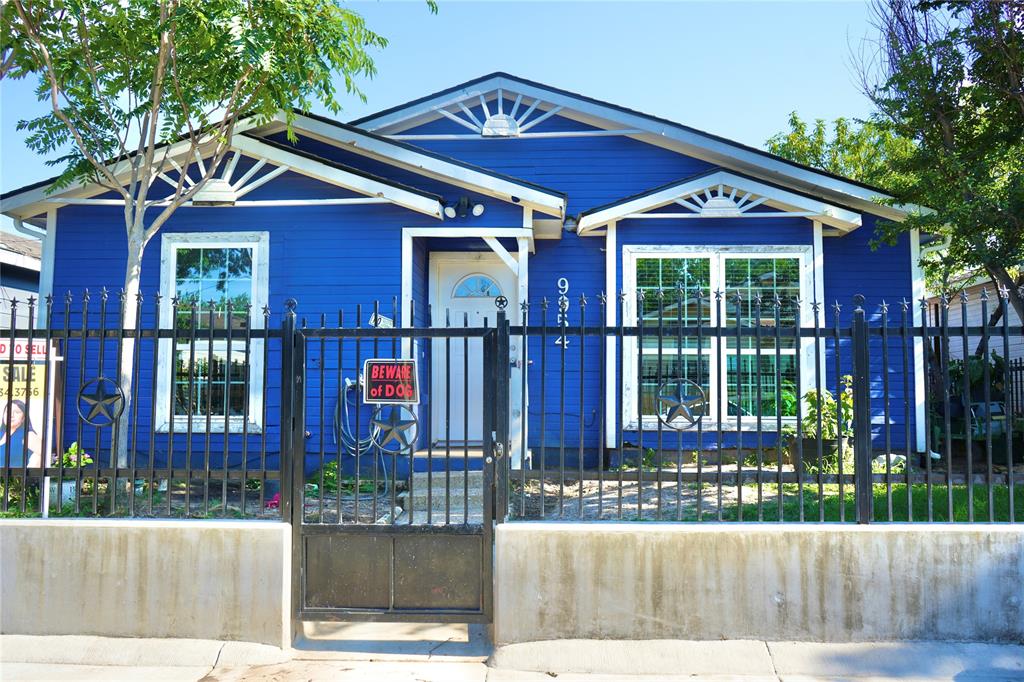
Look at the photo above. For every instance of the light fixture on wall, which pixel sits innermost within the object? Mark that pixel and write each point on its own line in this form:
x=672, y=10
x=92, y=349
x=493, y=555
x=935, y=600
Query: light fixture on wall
x=462, y=208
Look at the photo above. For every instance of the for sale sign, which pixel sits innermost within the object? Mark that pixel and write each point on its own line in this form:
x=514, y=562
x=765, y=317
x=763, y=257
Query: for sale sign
x=24, y=402
x=390, y=382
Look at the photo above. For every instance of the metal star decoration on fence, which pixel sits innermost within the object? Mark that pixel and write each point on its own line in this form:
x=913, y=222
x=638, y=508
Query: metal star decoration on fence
x=685, y=400
x=394, y=428
x=103, y=404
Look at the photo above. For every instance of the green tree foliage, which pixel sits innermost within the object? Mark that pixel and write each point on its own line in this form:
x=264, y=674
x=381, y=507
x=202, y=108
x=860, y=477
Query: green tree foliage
x=138, y=89
x=865, y=151
x=950, y=76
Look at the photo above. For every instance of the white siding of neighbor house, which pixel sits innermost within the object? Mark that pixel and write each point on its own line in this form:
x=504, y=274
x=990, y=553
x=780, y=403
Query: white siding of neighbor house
x=974, y=318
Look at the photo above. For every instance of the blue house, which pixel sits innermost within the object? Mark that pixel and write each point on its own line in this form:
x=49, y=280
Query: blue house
x=502, y=186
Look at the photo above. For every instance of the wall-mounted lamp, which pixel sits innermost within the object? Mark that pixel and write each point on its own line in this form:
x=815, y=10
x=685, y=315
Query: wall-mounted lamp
x=462, y=208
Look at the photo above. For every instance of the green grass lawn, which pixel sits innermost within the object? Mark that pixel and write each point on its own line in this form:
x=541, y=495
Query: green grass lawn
x=831, y=504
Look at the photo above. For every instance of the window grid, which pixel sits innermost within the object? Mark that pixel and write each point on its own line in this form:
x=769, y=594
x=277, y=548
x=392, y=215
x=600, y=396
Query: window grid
x=749, y=275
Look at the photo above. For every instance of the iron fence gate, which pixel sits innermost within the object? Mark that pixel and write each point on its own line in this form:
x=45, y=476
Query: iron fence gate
x=393, y=520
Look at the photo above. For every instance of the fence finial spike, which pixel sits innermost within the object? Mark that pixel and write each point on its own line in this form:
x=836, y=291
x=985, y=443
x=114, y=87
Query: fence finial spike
x=68, y=297
x=884, y=307
x=905, y=304
x=602, y=298
x=837, y=307
x=984, y=294
x=583, y=300
x=963, y=296
x=640, y=295
x=944, y=299
x=104, y=294
x=1004, y=292
x=544, y=303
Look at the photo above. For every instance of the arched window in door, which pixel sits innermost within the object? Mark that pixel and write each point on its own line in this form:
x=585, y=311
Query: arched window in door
x=476, y=286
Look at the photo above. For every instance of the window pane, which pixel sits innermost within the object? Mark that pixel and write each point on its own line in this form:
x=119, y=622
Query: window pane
x=210, y=381
x=211, y=278
x=477, y=286
x=679, y=280
x=767, y=278
x=673, y=368
x=773, y=385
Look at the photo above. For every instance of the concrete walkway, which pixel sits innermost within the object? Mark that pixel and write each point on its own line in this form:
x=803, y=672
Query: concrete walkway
x=432, y=653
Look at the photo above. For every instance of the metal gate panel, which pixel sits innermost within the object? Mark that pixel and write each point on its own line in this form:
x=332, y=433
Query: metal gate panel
x=362, y=551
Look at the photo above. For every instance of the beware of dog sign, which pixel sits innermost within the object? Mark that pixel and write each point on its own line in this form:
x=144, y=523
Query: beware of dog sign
x=390, y=382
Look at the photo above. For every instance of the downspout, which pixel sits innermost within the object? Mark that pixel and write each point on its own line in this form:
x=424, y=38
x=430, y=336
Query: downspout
x=33, y=232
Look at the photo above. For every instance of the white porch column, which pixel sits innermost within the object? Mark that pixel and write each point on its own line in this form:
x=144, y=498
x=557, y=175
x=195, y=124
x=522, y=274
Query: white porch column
x=46, y=266
x=917, y=286
x=519, y=395
x=611, y=311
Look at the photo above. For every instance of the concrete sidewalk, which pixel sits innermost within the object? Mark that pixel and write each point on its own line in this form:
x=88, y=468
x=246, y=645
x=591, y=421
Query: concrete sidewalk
x=431, y=653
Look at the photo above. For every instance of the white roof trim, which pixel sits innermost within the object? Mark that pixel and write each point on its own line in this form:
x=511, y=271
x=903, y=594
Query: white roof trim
x=676, y=138
x=37, y=200
x=830, y=214
x=335, y=176
x=430, y=166
x=19, y=260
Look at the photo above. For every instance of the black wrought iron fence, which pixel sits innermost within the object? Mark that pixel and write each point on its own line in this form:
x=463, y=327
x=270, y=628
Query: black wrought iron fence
x=696, y=407
x=113, y=406
x=669, y=405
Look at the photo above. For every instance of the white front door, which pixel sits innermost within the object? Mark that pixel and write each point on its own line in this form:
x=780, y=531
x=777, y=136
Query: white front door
x=463, y=288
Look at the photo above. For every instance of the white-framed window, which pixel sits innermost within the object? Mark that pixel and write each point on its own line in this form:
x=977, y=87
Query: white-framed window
x=729, y=372
x=206, y=381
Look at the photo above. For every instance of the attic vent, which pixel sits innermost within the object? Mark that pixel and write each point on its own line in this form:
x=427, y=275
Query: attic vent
x=216, y=192
x=720, y=207
x=500, y=125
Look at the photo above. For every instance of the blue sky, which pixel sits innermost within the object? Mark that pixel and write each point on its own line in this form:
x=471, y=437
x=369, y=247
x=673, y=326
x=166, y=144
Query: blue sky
x=732, y=68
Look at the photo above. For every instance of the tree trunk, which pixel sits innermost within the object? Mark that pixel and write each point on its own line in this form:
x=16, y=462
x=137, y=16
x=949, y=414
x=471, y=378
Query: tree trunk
x=129, y=320
x=1002, y=278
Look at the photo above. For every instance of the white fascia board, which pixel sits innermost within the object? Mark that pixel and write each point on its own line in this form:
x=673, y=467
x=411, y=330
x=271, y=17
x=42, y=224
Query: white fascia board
x=430, y=166
x=410, y=117
x=18, y=260
x=841, y=218
x=35, y=201
x=682, y=140
x=335, y=176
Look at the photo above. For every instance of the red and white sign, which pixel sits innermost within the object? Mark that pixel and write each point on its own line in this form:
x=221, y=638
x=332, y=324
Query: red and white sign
x=390, y=382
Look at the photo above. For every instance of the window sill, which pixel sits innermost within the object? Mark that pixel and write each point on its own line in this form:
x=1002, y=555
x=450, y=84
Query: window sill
x=235, y=426
x=747, y=424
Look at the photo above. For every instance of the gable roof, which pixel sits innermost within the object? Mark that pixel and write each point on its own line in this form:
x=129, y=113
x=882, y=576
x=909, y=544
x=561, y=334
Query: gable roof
x=419, y=160
x=32, y=199
x=734, y=194
x=645, y=127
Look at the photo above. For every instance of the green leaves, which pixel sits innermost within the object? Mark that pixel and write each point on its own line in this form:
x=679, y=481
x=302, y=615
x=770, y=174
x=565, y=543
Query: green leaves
x=224, y=59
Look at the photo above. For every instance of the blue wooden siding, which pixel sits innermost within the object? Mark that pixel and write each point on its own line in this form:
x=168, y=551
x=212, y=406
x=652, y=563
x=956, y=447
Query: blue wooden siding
x=333, y=258
x=330, y=259
x=591, y=170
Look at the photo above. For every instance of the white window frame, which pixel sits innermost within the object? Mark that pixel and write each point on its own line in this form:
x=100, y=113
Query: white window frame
x=718, y=254
x=259, y=242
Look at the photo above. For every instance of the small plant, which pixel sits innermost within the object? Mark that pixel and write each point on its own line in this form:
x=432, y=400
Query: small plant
x=836, y=415
x=974, y=366
x=75, y=457
x=332, y=481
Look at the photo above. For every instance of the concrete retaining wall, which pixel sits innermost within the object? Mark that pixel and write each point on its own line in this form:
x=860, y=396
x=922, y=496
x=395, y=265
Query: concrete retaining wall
x=123, y=578
x=813, y=583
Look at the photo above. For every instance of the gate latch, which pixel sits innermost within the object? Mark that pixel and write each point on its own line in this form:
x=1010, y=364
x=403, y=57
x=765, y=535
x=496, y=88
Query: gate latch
x=499, y=447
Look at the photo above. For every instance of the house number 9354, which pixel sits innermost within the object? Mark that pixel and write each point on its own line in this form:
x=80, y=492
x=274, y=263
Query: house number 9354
x=563, y=311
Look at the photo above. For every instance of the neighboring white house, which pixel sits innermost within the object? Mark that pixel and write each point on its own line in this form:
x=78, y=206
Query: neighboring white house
x=974, y=318
x=19, y=275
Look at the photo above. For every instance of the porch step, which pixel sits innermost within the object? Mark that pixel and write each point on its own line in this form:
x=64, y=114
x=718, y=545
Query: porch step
x=429, y=492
